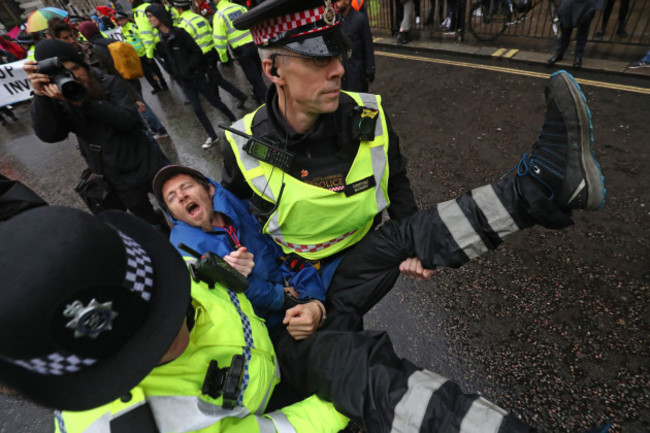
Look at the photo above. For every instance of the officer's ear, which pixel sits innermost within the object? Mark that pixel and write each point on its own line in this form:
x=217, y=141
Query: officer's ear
x=272, y=69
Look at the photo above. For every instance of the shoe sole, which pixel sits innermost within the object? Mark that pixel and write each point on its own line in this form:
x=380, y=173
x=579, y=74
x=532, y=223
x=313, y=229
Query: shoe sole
x=592, y=177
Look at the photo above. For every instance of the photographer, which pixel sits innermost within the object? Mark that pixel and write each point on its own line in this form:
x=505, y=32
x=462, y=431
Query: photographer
x=69, y=96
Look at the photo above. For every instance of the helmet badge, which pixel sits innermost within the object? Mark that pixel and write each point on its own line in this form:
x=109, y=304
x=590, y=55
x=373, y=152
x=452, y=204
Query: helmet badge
x=90, y=320
x=329, y=14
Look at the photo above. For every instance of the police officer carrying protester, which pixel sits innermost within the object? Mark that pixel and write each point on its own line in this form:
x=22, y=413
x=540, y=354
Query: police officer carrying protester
x=308, y=116
x=240, y=42
x=199, y=29
x=101, y=321
x=330, y=163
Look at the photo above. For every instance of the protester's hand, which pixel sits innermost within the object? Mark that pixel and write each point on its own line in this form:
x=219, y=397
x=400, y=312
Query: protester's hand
x=241, y=260
x=37, y=80
x=141, y=107
x=303, y=320
x=412, y=267
x=292, y=292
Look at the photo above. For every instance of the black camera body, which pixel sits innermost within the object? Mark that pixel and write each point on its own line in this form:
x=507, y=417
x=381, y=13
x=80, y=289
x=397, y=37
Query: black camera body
x=70, y=88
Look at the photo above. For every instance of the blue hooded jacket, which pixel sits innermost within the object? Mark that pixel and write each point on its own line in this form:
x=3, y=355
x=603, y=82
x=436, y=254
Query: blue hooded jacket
x=270, y=275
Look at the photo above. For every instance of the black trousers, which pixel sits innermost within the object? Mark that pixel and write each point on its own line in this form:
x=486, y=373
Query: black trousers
x=359, y=371
x=192, y=88
x=210, y=61
x=622, y=14
x=582, y=33
x=250, y=62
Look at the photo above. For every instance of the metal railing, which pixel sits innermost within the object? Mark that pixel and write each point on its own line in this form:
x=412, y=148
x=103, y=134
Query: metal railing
x=538, y=23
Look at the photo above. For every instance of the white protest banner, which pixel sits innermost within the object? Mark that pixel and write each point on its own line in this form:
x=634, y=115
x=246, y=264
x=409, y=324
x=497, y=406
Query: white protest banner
x=14, y=85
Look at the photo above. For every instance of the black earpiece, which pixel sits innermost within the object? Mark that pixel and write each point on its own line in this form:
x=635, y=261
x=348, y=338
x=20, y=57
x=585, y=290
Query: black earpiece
x=274, y=70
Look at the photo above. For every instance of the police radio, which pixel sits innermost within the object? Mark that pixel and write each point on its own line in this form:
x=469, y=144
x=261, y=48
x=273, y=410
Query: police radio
x=211, y=269
x=264, y=151
x=225, y=381
x=364, y=121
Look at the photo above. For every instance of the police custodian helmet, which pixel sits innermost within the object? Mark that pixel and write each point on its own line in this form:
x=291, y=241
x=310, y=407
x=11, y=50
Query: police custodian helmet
x=307, y=27
x=89, y=304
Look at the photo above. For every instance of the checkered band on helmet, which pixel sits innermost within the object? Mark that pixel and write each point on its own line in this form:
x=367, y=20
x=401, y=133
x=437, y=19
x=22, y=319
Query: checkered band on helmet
x=54, y=364
x=276, y=27
x=139, y=272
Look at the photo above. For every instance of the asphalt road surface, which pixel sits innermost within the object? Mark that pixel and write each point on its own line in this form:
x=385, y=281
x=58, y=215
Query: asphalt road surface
x=554, y=325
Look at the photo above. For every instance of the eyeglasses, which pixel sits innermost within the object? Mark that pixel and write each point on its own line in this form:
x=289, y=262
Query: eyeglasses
x=320, y=61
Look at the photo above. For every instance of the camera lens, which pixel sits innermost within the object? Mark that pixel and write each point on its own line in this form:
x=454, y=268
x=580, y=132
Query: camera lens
x=72, y=90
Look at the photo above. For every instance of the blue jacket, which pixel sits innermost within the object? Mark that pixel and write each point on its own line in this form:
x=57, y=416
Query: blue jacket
x=267, y=281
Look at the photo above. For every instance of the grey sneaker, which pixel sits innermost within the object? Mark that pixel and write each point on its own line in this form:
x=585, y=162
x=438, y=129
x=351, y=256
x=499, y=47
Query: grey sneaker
x=639, y=64
x=209, y=142
x=562, y=158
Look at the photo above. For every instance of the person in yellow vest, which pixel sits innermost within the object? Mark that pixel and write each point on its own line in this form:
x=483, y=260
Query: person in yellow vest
x=199, y=29
x=121, y=338
x=241, y=44
x=326, y=145
x=27, y=42
x=152, y=72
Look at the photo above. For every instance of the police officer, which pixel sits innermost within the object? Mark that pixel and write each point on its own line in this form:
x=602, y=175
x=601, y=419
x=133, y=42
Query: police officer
x=199, y=29
x=324, y=138
x=150, y=68
x=27, y=42
x=118, y=338
x=147, y=34
x=240, y=42
x=332, y=162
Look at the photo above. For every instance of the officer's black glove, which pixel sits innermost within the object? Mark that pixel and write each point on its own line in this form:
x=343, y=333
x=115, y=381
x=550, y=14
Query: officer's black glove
x=370, y=77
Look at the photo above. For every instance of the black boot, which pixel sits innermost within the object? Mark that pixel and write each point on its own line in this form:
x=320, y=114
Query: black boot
x=403, y=38
x=553, y=60
x=577, y=61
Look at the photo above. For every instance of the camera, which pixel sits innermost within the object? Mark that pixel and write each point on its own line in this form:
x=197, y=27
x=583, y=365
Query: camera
x=71, y=89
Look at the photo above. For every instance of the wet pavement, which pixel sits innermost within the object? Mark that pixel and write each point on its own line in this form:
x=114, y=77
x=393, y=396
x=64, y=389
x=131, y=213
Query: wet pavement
x=552, y=326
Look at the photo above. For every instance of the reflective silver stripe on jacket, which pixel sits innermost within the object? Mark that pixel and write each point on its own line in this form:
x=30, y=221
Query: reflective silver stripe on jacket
x=197, y=33
x=497, y=216
x=187, y=413
x=249, y=162
x=222, y=15
x=238, y=38
x=410, y=410
x=461, y=229
x=103, y=423
x=270, y=387
x=282, y=424
x=483, y=416
x=100, y=425
x=265, y=425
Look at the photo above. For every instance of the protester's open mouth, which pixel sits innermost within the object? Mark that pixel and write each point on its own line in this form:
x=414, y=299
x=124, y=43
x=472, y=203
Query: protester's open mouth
x=192, y=209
